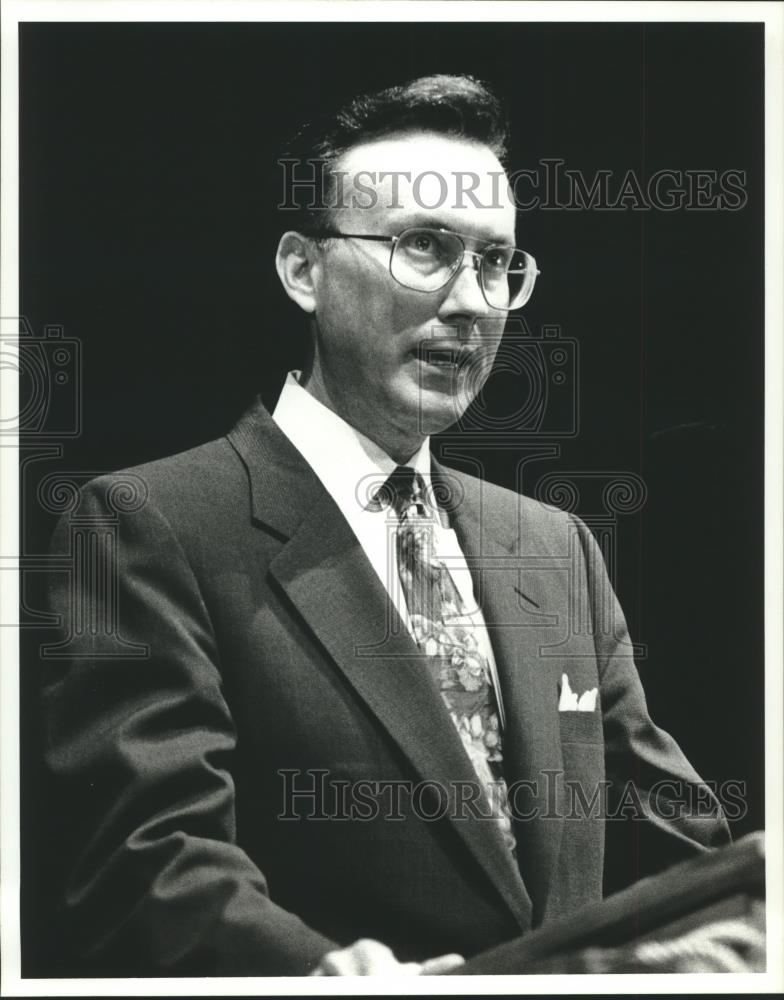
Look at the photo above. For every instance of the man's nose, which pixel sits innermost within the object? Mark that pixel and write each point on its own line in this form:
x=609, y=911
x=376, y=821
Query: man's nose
x=464, y=293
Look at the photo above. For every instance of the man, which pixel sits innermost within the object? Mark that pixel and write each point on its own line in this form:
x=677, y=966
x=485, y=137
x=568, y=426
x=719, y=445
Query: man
x=365, y=697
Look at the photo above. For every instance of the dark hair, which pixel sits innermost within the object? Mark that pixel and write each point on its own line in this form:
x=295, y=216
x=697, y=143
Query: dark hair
x=459, y=106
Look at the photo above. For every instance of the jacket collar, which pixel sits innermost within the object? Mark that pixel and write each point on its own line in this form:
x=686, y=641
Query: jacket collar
x=283, y=488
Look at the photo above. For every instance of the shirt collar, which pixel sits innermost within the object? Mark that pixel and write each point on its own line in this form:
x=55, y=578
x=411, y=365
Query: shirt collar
x=350, y=466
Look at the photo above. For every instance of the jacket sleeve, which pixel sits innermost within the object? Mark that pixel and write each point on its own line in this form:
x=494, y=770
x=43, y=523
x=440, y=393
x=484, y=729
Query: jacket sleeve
x=139, y=743
x=659, y=811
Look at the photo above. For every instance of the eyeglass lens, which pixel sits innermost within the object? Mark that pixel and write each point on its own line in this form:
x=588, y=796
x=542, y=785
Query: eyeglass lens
x=426, y=259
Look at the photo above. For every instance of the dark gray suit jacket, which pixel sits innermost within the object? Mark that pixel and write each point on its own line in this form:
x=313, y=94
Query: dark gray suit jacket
x=273, y=660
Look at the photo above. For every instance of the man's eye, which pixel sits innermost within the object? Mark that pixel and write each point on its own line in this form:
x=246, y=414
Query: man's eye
x=497, y=259
x=424, y=244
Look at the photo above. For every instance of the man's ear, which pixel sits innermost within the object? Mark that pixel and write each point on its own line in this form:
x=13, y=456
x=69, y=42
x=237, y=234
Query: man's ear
x=294, y=262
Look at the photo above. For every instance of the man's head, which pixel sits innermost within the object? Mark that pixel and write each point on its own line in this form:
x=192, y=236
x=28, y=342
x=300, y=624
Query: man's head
x=423, y=156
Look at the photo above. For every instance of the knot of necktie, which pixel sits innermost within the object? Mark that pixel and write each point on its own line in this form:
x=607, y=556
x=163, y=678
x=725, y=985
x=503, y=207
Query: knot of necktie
x=404, y=491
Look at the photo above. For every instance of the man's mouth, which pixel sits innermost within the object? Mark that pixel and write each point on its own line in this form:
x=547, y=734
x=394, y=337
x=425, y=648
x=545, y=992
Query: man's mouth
x=450, y=358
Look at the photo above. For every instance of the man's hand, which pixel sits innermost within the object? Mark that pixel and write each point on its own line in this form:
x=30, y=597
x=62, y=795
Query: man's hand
x=372, y=958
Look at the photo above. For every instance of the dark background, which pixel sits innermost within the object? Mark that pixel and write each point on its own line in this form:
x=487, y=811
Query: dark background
x=148, y=225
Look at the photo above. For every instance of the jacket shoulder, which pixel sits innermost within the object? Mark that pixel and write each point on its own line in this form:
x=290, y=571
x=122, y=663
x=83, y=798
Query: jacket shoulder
x=191, y=485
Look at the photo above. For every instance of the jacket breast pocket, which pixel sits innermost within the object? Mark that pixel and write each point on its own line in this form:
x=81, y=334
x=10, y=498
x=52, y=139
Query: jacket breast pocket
x=581, y=727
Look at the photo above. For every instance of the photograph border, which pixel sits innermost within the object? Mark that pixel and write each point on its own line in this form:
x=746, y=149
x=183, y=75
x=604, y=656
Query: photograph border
x=15, y=12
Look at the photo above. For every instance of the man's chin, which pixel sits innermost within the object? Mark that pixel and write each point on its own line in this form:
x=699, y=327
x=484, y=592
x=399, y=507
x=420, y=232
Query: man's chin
x=437, y=411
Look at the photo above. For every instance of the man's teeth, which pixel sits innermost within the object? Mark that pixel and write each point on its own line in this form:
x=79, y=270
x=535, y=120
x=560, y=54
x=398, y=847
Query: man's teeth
x=442, y=358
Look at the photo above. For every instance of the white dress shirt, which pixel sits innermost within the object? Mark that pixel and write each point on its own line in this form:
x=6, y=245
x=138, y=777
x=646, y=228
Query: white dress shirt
x=352, y=468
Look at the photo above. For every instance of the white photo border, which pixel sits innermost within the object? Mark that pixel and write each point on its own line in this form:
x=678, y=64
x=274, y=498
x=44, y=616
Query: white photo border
x=772, y=15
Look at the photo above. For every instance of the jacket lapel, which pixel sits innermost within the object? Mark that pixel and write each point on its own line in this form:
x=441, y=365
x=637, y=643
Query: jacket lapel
x=327, y=576
x=501, y=551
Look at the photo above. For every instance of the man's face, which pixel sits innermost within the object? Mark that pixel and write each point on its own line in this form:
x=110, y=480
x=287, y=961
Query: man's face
x=371, y=330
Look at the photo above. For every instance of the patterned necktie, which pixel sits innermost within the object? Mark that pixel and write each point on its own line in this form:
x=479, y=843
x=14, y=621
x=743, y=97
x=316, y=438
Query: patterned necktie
x=444, y=631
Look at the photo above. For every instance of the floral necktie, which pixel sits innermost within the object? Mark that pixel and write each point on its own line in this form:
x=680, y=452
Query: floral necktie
x=443, y=631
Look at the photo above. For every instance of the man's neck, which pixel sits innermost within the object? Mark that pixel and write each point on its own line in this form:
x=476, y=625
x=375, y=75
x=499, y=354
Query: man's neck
x=399, y=446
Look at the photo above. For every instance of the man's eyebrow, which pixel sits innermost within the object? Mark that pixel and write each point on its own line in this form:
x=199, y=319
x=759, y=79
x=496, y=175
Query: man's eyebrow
x=428, y=221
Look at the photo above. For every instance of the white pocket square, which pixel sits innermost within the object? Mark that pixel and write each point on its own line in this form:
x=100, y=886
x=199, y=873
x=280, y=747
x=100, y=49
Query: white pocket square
x=570, y=702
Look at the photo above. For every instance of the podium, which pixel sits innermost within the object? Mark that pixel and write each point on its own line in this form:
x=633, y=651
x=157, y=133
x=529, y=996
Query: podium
x=662, y=914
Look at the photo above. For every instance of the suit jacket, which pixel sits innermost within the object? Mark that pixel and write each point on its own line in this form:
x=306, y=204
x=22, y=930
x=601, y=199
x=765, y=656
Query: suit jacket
x=256, y=673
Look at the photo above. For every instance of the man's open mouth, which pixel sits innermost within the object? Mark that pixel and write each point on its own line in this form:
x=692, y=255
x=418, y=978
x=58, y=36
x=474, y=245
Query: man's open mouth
x=445, y=357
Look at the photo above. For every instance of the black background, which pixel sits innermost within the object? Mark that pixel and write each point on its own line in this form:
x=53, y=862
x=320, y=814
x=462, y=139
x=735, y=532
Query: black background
x=148, y=225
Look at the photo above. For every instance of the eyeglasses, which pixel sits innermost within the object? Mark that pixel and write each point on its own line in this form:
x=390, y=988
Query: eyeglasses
x=427, y=260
